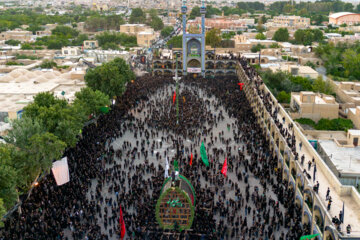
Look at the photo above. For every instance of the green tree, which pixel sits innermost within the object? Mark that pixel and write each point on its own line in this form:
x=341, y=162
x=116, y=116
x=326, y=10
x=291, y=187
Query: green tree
x=123, y=39
x=195, y=12
x=110, y=45
x=166, y=31
x=80, y=40
x=299, y=36
x=257, y=48
x=228, y=35
x=274, y=45
x=57, y=117
x=65, y=31
x=110, y=78
x=288, y=8
x=283, y=97
x=213, y=38
x=91, y=101
x=7, y=177
x=156, y=23
x=2, y=212
x=175, y=42
x=12, y=42
x=26, y=46
x=137, y=16
x=22, y=130
x=281, y=35
x=47, y=64
x=260, y=36
x=45, y=148
x=351, y=61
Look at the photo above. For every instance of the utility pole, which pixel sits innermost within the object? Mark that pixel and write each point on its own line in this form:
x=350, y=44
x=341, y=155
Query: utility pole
x=176, y=78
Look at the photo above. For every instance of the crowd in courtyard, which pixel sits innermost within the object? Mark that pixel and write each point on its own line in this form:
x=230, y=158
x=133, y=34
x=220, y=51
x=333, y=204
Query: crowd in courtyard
x=253, y=202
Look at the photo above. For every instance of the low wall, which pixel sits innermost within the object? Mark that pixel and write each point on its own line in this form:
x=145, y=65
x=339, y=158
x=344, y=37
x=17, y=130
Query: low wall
x=340, y=189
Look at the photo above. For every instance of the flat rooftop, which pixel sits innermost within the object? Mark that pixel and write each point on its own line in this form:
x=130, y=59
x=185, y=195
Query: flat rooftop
x=345, y=159
x=318, y=100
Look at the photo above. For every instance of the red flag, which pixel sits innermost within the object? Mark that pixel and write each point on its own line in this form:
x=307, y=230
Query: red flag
x=174, y=97
x=122, y=225
x=191, y=158
x=224, y=168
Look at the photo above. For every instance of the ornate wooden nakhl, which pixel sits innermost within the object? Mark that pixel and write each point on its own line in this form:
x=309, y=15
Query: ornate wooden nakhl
x=175, y=206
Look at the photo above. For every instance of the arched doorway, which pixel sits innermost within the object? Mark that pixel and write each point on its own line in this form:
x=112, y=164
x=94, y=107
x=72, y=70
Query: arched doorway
x=319, y=218
x=209, y=65
x=219, y=73
x=193, y=63
x=220, y=65
x=209, y=73
x=158, y=72
x=308, y=198
x=231, y=65
x=194, y=48
x=329, y=233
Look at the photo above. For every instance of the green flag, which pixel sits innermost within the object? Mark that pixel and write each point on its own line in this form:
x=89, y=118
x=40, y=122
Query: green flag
x=309, y=236
x=203, y=154
x=104, y=109
x=176, y=165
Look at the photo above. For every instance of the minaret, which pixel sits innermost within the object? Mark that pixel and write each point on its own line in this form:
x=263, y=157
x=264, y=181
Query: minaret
x=183, y=11
x=203, y=12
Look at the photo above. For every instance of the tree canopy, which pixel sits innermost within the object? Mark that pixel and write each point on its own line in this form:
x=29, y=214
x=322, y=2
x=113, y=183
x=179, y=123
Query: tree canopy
x=308, y=36
x=110, y=78
x=91, y=101
x=175, y=42
x=213, y=37
x=166, y=31
x=123, y=39
x=281, y=35
x=281, y=84
x=101, y=23
x=341, y=60
x=137, y=16
x=251, y=6
x=57, y=117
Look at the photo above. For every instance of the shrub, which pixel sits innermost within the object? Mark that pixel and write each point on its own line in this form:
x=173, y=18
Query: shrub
x=12, y=42
x=306, y=121
x=23, y=56
x=338, y=124
x=48, y=64
x=13, y=63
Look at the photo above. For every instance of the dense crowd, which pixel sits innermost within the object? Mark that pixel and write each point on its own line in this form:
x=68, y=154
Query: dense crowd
x=262, y=207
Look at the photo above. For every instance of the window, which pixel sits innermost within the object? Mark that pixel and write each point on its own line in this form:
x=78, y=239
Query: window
x=65, y=52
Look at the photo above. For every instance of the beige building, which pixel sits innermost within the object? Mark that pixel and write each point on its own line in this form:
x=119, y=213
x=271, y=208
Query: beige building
x=70, y=51
x=90, y=44
x=145, y=39
x=244, y=43
x=18, y=88
x=133, y=29
x=99, y=7
x=289, y=21
x=20, y=35
x=43, y=33
x=354, y=116
x=344, y=17
x=311, y=204
x=102, y=56
x=314, y=106
x=350, y=39
x=348, y=92
x=295, y=70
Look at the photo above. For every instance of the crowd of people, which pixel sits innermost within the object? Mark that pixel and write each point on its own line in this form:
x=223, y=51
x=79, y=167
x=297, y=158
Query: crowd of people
x=119, y=161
